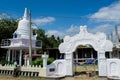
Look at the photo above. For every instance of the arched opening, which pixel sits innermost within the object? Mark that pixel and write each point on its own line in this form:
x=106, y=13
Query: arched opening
x=84, y=52
x=84, y=56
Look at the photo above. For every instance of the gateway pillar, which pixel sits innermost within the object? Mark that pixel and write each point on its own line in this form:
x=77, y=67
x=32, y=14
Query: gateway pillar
x=69, y=64
x=102, y=63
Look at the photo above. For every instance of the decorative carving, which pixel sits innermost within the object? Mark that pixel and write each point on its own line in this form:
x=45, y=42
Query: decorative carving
x=83, y=29
x=97, y=41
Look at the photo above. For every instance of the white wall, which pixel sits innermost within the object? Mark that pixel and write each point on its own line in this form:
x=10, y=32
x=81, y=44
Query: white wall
x=113, y=67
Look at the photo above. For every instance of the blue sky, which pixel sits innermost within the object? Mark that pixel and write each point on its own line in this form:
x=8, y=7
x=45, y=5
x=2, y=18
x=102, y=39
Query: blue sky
x=63, y=17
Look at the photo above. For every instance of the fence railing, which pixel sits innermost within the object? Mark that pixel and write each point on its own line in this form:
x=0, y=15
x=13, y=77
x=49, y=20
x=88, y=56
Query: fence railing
x=32, y=71
x=5, y=42
x=23, y=42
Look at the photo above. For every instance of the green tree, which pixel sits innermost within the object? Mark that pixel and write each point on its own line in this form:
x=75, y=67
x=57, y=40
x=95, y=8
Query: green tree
x=52, y=41
x=43, y=37
x=7, y=28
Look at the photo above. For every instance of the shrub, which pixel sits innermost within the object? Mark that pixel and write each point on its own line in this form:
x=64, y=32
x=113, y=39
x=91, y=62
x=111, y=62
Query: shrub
x=39, y=61
x=50, y=60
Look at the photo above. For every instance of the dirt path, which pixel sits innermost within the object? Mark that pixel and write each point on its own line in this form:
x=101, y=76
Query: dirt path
x=80, y=77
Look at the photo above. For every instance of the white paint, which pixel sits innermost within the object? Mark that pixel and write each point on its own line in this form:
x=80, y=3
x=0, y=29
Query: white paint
x=27, y=61
x=23, y=30
x=98, y=41
x=22, y=33
x=60, y=70
x=45, y=56
x=20, y=58
x=113, y=66
x=8, y=55
x=59, y=66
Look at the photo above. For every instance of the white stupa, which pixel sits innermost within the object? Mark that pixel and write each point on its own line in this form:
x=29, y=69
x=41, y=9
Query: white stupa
x=22, y=34
x=19, y=45
x=23, y=30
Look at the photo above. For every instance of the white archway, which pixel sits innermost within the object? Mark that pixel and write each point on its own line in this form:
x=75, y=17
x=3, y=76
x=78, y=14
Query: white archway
x=98, y=42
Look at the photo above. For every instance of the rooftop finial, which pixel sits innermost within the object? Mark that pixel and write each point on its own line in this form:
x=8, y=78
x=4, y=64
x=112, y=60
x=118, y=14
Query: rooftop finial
x=25, y=14
x=83, y=28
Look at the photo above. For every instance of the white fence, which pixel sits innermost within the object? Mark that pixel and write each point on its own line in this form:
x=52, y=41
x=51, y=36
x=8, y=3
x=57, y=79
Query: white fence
x=23, y=70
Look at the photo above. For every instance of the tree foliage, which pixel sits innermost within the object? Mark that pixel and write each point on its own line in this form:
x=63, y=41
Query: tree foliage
x=7, y=28
x=48, y=42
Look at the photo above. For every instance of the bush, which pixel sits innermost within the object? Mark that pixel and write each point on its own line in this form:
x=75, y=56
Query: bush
x=50, y=60
x=39, y=61
x=3, y=62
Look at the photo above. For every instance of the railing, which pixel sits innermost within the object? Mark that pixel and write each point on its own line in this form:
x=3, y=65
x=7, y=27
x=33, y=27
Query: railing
x=32, y=71
x=5, y=42
x=23, y=42
x=82, y=59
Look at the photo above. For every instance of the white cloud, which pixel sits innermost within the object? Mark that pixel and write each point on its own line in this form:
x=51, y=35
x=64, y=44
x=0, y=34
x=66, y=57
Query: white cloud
x=4, y=15
x=106, y=28
x=110, y=13
x=42, y=21
x=34, y=26
x=70, y=31
x=55, y=33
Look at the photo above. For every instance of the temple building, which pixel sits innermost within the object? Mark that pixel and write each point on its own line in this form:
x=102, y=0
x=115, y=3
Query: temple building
x=81, y=46
x=19, y=45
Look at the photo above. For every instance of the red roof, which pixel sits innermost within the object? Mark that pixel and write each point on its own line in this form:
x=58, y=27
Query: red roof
x=33, y=55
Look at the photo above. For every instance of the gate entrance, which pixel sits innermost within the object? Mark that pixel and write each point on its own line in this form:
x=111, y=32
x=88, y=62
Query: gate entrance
x=98, y=41
x=84, y=59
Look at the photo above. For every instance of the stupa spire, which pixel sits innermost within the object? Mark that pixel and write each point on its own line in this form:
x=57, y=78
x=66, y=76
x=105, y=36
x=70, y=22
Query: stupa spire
x=25, y=14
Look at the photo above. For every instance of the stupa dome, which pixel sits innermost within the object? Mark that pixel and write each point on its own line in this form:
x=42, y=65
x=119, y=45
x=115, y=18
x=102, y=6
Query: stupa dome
x=23, y=30
x=23, y=27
